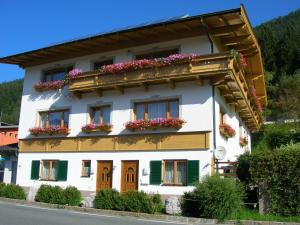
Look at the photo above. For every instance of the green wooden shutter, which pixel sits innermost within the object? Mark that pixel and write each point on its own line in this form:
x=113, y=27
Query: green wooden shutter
x=35, y=170
x=62, y=170
x=155, y=172
x=192, y=172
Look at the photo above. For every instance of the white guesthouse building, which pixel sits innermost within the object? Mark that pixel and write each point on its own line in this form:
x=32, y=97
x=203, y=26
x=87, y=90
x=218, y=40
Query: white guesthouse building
x=148, y=125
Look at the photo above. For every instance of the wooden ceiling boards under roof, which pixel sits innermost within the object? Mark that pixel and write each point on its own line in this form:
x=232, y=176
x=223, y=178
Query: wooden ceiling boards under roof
x=228, y=29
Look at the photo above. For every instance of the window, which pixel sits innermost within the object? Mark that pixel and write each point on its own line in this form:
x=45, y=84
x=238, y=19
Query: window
x=154, y=110
x=99, y=64
x=86, y=168
x=100, y=115
x=157, y=54
x=54, y=118
x=174, y=172
x=56, y=74
x=49, y=170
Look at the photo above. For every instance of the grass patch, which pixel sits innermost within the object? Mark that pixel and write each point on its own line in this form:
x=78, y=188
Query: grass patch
x=248, y=214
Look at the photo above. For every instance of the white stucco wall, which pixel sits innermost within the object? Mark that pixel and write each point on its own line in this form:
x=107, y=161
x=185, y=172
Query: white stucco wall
x=89, y=184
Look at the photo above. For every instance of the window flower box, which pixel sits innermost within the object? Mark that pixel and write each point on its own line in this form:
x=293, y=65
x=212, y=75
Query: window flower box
x=54, y=130
x=243, y=141
x=92, y=128
x=154, y=124
x=57, y=84
x=49, y=85
x=227, y=131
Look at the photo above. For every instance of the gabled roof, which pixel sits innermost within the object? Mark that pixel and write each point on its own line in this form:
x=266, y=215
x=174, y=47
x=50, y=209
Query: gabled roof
x=229, y=29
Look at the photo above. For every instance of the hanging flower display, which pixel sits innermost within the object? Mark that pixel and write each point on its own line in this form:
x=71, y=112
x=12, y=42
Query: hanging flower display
x=146, y=63
x=91, y=128
x=241, y=59
x=36, y=131
x=257, y=101
x=243, y=141
x=227, y=131
x=154, y=124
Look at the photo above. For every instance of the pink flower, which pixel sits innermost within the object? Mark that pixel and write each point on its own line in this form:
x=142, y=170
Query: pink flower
x=48, y=130
x=154, y=124
x=89, y=128
x=49, y=85
x=74, y=73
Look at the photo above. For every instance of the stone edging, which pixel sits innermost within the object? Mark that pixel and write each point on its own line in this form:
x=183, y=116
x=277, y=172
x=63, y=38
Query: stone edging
x=157, y=217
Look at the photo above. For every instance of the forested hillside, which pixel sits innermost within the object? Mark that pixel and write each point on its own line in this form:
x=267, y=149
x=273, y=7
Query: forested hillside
x=280, y=44
x=10, y=101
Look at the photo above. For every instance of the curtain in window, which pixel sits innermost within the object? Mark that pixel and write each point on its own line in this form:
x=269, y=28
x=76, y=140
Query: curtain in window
x=157, y=110
x=106, y=115
x=174, y=109
x=58, y=76
x=43, y=119
x=169, y=172
x=54, y=170
x=140, y=111
x=46, y=169
x=180, y=173
x=55, y=119
x=96, y=117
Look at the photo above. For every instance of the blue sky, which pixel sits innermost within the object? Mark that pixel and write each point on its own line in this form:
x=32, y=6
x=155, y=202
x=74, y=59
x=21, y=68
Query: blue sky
x=31, y=24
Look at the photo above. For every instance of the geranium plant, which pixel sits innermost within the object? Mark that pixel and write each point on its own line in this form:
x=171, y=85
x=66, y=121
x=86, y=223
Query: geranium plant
x=257, y=101
x=36, y=131
x=227, y=131
x=239, y=57
x=146, y=63
x=57, y=84
x=90, y=128
x=154, y=124
x=243, y=141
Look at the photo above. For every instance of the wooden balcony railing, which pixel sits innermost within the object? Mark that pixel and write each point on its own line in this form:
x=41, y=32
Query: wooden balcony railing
x=223, y=71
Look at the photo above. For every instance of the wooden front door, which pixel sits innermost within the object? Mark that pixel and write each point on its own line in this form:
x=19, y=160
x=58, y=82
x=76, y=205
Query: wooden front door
x=104, y=175
x=129, y=180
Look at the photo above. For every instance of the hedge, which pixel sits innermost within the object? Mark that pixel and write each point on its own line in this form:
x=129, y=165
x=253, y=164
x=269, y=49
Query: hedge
x=279, y=171
x=132, y=201
x=57, y=195
x=12, y=191
x=213, y=197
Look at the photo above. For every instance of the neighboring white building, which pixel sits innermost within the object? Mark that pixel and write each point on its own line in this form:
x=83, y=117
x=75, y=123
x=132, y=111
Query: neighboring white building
x=206, y=91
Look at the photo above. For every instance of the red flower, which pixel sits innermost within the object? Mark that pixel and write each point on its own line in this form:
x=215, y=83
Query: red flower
x=154, y=124
x=226, y=130
x=49, y=130
x=257, y=101
x=49, y=85
x=89, y=128
x=243, y=141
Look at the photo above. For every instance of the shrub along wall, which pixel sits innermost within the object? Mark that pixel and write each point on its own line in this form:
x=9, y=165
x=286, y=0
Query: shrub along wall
x=132, y=201
x=57, y=195
x=12, y=191
x=279, y=172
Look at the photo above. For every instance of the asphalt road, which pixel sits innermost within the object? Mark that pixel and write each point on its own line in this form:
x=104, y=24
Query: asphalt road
x=18, y=214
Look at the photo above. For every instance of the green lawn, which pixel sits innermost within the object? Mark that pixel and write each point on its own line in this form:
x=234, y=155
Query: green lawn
x=247, y=214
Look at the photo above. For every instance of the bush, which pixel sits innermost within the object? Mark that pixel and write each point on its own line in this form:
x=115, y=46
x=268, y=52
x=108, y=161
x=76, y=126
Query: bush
x=13, y=191
x=50, y=194
x=109, y=199
x=132, y=201
x=2, y=185
x=72, y=196
x=279, y=171
x=213, y=197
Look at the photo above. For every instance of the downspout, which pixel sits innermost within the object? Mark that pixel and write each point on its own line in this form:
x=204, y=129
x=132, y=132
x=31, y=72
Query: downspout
x=213, y=97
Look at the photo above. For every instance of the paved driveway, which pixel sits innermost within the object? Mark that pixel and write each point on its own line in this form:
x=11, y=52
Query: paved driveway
x=18, y=214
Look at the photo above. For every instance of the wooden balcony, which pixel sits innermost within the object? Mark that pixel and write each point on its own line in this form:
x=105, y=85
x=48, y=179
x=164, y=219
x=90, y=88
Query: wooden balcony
x=222, y=70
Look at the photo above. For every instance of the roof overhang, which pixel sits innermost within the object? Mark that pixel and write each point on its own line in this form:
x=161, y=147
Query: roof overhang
x=228, y=29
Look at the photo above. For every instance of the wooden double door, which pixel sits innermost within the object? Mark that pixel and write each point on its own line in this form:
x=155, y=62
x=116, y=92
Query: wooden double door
x=129, y=175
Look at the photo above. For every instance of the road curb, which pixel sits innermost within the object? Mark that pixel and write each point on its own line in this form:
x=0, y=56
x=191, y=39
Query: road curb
x=161, y=217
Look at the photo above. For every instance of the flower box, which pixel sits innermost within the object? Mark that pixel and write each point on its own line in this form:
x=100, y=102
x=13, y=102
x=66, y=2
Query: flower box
x=241, y=59
x=49, y=85
x=243, y=141
x=92, y=128
x=226, y=131
x=154, y=124
x=36, y=131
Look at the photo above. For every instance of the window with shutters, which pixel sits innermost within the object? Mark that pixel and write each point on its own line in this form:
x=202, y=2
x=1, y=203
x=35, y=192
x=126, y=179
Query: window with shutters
x=86, y=168
x=49, y=170
x=174, y=172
